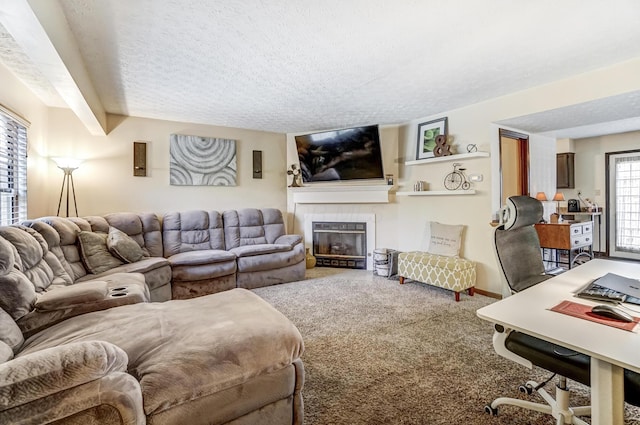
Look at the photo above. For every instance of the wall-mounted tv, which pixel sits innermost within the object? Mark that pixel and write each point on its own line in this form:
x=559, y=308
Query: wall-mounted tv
x=348, y=154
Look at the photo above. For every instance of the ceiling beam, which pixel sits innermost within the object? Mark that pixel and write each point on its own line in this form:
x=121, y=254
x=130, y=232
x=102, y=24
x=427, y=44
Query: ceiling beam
x=41, y=30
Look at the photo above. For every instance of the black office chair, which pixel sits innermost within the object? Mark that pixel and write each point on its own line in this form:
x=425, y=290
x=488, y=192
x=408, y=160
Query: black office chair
x=519, y=255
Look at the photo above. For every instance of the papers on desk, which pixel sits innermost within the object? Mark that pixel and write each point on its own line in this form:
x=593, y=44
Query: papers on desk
x=614, y=288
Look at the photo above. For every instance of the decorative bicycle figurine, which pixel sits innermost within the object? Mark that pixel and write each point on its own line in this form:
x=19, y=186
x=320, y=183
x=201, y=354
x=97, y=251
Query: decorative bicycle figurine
x=456, y=178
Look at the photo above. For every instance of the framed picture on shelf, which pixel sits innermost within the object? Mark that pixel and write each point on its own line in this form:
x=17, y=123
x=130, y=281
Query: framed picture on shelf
x=427, y=133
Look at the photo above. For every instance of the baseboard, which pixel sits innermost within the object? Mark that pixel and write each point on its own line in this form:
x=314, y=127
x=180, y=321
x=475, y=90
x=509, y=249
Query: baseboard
x=487, y=293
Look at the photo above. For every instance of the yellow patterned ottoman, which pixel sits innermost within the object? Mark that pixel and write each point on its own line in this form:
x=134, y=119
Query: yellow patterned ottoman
x=454, y=273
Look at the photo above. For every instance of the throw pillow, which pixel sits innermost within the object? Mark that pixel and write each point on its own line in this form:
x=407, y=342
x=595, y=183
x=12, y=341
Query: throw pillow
x=94, y=252
x=123, y=246
x=445, y=239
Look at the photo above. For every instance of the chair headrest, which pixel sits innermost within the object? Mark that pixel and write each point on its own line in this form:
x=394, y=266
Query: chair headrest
x=522, y=211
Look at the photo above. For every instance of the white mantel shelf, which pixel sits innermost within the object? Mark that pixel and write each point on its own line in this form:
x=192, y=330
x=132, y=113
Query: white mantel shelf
x=437, y=193
x=344, y=194
x=454, y=157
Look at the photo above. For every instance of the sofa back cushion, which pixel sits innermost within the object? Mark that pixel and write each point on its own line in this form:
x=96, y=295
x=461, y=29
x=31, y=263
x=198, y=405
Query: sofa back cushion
x=67, y=229
x=17, y=293
x=192, y=231
x=251, y=226
x=144, y=228
x=32, y=257
x=10, y=334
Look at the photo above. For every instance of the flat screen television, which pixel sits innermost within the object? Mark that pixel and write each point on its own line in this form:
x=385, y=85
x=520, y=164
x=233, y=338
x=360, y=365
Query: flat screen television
x=337, y=155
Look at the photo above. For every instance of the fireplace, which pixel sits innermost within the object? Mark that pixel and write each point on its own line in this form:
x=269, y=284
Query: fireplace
x=340, y=244
x=365, y=238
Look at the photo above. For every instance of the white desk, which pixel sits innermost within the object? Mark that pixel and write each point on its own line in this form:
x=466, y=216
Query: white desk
x=611, y=349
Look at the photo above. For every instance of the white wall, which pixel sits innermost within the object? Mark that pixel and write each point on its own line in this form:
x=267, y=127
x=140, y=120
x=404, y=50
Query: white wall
x=105, y=182
x=589, y=163
x=403, y=220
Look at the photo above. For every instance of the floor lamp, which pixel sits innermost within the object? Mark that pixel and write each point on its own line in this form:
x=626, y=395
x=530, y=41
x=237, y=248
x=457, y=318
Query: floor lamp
x=68, y=165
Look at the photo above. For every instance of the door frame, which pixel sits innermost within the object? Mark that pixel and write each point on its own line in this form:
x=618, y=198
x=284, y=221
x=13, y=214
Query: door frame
x=609, y=202
x=523, y=158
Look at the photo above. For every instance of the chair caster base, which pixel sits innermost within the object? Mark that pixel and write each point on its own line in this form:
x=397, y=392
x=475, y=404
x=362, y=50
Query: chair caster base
x=493, y=411
x=526, y=389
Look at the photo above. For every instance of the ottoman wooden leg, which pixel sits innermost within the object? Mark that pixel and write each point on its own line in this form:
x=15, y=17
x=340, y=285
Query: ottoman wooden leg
x=457, y=296
x=471, y=291
x=401, y=279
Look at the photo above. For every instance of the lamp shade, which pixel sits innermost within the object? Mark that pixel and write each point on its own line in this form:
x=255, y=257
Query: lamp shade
x=541, y=196
x=559, y=196
x=63, y=162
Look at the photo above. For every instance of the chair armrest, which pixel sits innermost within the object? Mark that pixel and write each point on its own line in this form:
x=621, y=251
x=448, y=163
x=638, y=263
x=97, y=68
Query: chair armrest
x=289, y=240
x=45, y=372
x=499, y=339
x=55, y=383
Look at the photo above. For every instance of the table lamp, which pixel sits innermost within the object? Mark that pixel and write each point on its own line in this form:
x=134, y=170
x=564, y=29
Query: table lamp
x=558, y=197
x=541, y=196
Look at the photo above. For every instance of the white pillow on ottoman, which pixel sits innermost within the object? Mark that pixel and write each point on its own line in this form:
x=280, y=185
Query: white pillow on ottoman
x=445, y=239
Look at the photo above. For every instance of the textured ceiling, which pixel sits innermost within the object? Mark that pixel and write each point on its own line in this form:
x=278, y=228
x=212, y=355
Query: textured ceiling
x=301, y=65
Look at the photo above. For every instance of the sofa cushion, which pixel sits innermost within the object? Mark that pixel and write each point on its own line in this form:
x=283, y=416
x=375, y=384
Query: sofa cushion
x=272, y=261
x=144, y=228
x=67, y=250
x=195, y=258
x=262, y=249
x=56, y=369
x=7, y=254
x=6, y=353
x=123, y=247
x=32, y=257
x=95, y=253
x=192, y=231
x=252, y=226
x=10, y=332
x=250, y=338
x=17, y=294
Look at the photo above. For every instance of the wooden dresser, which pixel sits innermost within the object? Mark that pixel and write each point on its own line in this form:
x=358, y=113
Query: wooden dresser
x=575, y=238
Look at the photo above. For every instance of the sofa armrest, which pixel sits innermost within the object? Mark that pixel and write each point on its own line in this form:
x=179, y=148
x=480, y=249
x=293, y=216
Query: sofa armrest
x=70, y=296
x=42, y=373
x=57, y=382
x=65, y=302
x=289, y=240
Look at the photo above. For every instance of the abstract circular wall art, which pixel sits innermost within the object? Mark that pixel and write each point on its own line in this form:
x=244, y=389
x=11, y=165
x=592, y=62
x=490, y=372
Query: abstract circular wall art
x=202, y=161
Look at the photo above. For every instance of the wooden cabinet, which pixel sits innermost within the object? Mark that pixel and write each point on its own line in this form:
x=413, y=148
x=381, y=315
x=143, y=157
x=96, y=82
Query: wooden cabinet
x=575, y=238
x=565, y=171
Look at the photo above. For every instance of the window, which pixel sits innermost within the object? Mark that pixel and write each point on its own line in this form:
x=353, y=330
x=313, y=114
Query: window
x=627, y=205
x=623, y=187
x=13, y=168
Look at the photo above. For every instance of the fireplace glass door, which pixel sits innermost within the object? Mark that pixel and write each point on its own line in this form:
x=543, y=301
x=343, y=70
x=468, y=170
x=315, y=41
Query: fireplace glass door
x=340, y=244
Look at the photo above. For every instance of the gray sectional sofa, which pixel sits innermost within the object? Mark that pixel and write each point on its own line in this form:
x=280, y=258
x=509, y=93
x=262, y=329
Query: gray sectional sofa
x=83, y=342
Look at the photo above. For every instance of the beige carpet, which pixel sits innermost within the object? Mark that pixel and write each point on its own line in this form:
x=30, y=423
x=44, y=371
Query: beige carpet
x=378, y=352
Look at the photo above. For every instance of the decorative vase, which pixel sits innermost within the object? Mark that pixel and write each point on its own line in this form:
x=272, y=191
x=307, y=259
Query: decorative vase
x=311, y=260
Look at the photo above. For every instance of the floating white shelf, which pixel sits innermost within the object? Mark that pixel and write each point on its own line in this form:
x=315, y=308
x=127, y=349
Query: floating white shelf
x=455, y=157
x=347, y=194
x=438, y=193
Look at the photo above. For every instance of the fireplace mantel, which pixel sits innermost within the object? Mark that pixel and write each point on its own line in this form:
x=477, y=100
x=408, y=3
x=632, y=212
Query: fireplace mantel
x=342, y=194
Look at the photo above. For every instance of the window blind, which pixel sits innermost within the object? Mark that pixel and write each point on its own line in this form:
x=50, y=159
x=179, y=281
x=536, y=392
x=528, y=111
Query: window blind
x=13, y=169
